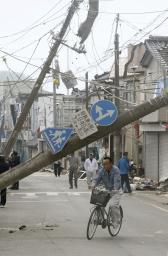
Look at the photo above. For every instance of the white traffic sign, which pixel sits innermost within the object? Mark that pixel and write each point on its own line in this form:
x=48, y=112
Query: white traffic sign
x=83, y=124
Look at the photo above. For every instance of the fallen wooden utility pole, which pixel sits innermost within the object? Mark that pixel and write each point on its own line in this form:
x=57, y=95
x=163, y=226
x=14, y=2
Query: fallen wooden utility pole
x=40, y=79
x=43, y=159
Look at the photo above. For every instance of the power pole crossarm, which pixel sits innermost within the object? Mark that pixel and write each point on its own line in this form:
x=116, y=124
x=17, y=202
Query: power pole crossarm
x=40, y=79
x=46, y=158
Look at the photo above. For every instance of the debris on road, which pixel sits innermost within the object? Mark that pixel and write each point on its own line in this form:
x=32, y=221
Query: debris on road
x=47, y=227
x=144, y=184
x=12, y=231
x=163, y=186
x=52, y=226
x=22, y=227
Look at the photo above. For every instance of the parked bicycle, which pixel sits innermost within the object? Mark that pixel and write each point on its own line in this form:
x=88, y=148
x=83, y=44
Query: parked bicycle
x=102, y=217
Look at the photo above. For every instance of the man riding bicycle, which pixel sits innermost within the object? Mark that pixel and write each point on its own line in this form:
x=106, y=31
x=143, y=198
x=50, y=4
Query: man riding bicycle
x=110, y=177
x=110, y=217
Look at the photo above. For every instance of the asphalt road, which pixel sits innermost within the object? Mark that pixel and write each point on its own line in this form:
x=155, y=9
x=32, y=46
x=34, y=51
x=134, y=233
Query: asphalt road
x=56, y=220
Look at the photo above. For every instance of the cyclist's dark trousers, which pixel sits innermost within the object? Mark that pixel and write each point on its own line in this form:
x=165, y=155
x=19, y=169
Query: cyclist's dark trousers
x=3, y=196
x=73, y=174
x=125, y=180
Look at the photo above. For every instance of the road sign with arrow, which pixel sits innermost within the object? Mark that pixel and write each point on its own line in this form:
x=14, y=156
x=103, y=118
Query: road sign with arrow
x=57, y=138
x=104, y=112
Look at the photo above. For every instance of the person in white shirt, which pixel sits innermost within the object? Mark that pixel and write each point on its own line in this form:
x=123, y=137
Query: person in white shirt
x=91, y=167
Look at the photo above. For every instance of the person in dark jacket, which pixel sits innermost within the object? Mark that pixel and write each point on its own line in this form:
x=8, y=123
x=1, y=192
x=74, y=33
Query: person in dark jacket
x=14, y=161
x=3, y=168
x=73, y=170
x=123, y=165
x=57, y=168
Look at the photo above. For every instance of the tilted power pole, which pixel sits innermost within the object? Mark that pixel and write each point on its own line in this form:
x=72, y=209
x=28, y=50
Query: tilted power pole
x=45, y=158
x=56, y=83
x=40, y=79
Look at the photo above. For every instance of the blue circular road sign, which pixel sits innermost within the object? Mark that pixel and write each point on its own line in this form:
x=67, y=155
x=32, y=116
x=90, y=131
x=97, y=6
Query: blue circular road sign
x=104, y=112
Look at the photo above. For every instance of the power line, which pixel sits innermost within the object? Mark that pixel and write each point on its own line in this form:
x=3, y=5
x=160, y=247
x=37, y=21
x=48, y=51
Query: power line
x=40, y=38
x=95, y=52
x=103, y=59
x=129, y=13
x=143, y=30
x=53, y=51
x=33, y=25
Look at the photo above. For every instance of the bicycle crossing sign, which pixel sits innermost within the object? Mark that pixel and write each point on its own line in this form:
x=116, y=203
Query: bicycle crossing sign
x=57, y=138
x=104, y=112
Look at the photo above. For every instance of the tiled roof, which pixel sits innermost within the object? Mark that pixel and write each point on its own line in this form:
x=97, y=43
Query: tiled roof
x=158, y=47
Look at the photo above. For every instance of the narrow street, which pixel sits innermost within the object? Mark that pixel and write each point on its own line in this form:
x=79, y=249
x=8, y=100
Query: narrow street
x=56, y=220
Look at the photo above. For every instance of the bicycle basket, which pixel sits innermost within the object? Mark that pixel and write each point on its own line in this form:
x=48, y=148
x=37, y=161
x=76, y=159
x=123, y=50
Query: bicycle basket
x=99, y=197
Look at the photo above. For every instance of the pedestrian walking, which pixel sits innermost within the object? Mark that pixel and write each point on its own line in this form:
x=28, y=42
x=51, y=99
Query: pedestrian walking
x=123, y=165
x=73, y=171
x=3, y=168
x=57, y=168
x=91, y=168
x=14, y=161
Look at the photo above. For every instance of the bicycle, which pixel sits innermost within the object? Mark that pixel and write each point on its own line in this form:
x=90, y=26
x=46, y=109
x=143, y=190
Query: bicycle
x=99, y=215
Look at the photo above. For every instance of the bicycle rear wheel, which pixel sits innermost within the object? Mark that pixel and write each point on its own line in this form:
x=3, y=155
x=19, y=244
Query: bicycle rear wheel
x=114, y=225
x=93, y=223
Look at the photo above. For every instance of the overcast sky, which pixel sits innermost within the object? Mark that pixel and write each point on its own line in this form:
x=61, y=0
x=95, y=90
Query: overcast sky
x=22, y=24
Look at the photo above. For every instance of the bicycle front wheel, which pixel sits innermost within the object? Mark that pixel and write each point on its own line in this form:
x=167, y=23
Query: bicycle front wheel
x=93, y=223
x=114, y=223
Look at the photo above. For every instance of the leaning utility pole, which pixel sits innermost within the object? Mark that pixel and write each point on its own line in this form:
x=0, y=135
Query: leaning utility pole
x=56, y=83
x=116, y=136
x=54, y=105
x=45, y=158
x=45, y=69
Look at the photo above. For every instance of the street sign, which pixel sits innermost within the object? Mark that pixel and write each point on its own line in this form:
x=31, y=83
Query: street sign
x=104, y=112
x=83, y=124
x=57, y=138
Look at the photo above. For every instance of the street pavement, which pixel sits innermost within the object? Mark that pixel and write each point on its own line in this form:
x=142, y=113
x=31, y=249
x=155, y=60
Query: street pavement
x=53, y=221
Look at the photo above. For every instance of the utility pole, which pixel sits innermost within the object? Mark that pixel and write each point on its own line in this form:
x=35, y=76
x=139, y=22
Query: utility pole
x=45, y=158
x=54, y=106
x=135, y=140
x=45, y=117
x=45, y=69
x=56, y=83
x=87, y=104
x=117, y=134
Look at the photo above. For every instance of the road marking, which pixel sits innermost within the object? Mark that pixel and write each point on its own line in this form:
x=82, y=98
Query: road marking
x=50, y=193
x=32, y=194
x=159, y=208
x=159, y=232
x=39, y=201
